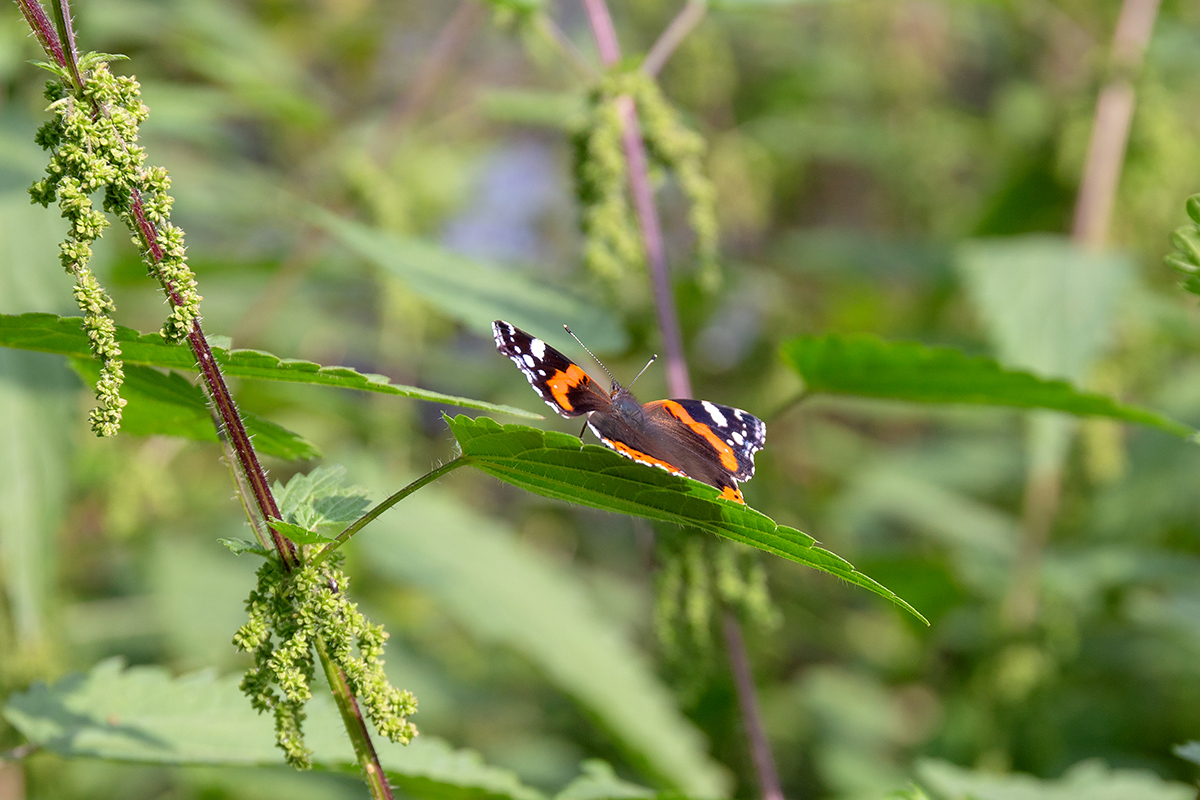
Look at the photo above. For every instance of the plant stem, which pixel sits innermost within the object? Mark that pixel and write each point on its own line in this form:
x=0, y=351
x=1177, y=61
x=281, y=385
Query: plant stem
x=66, y=35
x=375, y=512
x=674, y=34
x=1110, y=126
x=356, y=726
x=678, y=381
x=743, y=679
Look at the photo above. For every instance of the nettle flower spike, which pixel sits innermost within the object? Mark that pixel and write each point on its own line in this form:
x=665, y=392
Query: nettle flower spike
x=289, y=615
x=613, y=249
x=92, y=139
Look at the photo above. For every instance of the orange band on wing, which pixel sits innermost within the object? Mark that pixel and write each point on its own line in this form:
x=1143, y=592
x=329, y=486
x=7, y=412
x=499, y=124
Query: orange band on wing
x=563, y=382
x=641, y=457
x=733, y=493
x=728, y=459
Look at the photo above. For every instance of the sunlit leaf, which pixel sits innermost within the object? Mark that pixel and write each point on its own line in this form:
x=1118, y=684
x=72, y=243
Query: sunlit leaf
x=558, y=465
x=321, y=500
x=167, y=403
x=54, y=334
x=505, y=591
x=475, y=293
x=867, y=366
x=142, y=714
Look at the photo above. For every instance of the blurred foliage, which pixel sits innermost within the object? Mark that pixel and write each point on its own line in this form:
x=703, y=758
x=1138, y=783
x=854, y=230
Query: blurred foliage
x=901, y=168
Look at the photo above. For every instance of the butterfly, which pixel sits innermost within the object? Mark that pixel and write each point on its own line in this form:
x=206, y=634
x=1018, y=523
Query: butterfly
x=711, y=443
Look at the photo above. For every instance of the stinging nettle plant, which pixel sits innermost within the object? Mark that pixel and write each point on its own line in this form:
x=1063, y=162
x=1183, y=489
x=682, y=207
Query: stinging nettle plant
x=299, y=613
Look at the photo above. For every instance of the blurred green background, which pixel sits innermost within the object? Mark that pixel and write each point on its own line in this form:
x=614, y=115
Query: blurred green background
x=875, y=160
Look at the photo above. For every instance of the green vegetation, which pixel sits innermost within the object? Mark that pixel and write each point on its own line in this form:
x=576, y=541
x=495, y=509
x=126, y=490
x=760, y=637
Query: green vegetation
x=886, y=228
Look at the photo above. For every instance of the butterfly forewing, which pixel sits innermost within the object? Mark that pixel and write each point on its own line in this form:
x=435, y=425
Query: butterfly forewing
x=728, y=436
x=557, y=379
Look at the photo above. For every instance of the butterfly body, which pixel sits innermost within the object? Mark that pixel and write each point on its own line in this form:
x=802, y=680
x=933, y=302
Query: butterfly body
x=711, y=443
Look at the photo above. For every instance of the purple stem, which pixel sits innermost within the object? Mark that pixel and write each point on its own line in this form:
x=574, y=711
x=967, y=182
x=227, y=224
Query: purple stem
x=743, y=679
x=35, y=15
x=676, y=31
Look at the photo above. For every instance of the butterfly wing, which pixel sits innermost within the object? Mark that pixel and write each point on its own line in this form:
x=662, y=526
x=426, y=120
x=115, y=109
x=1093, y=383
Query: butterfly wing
x=557, y=379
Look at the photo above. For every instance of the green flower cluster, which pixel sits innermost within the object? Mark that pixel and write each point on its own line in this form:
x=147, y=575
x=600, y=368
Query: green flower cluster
x=291, y=613
x=92, y=139
x=1186, y=258
x=613, y=245
x=700, y=575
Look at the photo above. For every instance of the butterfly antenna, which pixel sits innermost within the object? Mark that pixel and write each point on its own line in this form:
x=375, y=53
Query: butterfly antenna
x=653, y=358
x=590, y=353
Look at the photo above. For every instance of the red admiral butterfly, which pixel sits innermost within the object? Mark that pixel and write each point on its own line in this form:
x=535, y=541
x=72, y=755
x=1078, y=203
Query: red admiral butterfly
x=701, y=440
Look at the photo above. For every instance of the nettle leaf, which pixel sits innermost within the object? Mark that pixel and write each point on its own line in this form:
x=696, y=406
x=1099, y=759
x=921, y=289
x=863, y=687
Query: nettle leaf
x=320, y=499
x=600, y=782
x=297, y=534
x=867, y=366
x=167, y=403
x=142, y=714
x=474, y=293
x=50, y=333
x=560, y=466
x=239, y=546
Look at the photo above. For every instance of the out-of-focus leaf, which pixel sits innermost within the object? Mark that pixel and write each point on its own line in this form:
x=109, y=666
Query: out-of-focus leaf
x=50, y=333
x=516, y=5
x=142, y=714
x=321, y=500
x=504, y=591
x=1189, y=751
x=867, y=366
x=37, y=401
x=599, y=782
x=558, y=465
x=1049, y=306
x=475, y=293
x=167, y=403
x=1087, y=780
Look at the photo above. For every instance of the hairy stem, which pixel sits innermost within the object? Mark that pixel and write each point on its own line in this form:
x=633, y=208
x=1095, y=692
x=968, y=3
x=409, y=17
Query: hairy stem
x=356, y=726
x=678, y=381
x=375, y=512
x=66, y=36
x=674, y=34
x=37, y=20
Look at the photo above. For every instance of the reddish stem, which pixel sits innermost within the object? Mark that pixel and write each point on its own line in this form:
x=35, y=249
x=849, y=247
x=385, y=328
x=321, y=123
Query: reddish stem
x=35, y=15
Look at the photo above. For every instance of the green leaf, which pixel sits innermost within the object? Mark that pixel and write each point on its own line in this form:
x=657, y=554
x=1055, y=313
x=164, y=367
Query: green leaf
x=50, y=333
x=503, y=590
x=37, y=403
x=142, y=714
x=558, y=110
x=558, y=465
x=1087, y=780
x=867, y=366
x=239, y=546
x=298, y=534
x=321, y=499
x=167, y=403
x=475, y=294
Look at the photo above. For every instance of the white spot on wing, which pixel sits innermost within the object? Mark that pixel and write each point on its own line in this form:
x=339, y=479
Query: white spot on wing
x=529, y=360
x=737, y=437
x=538, y=348
x=715, y=413
x=737, y=412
